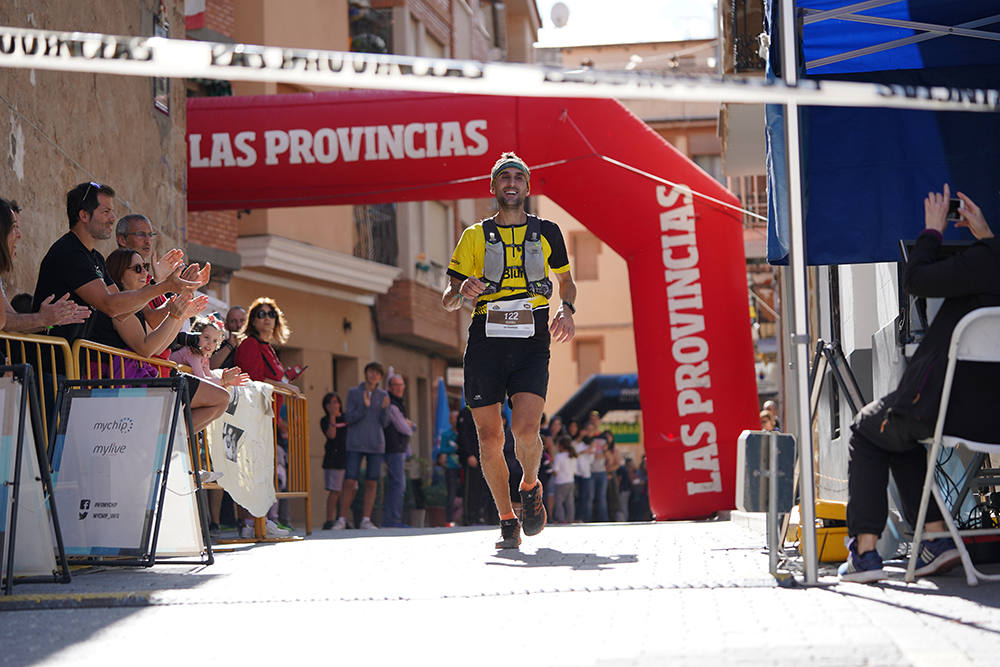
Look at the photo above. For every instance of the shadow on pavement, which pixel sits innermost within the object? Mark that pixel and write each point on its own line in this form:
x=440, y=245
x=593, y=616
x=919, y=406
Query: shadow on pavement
x=553, y=558
x=976, y=595
x=354, y=533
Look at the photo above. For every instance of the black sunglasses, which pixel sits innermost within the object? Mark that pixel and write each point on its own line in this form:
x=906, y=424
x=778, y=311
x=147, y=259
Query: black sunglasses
x=261, y=314
x=140, y=268
x=91, y=184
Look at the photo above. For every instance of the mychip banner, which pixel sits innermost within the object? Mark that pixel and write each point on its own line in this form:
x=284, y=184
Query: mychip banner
x=109, y=461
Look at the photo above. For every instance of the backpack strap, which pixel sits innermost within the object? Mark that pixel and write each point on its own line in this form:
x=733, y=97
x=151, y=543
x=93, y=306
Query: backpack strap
x=534, y=259
x=495, y=258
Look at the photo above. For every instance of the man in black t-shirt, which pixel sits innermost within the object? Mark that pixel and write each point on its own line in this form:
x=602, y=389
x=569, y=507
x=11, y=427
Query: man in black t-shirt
x=73, y=266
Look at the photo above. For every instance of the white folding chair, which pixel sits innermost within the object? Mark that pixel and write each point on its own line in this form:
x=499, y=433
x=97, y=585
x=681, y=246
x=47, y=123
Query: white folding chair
x=976, y=338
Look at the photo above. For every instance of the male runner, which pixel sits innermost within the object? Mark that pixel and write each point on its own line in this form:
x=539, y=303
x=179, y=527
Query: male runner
x=501, y=264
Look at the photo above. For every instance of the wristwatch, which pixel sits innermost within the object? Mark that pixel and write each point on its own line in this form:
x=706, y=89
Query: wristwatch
x=569, y=304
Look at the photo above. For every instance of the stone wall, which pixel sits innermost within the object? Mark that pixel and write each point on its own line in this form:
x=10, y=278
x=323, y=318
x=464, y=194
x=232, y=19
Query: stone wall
x=59, y=129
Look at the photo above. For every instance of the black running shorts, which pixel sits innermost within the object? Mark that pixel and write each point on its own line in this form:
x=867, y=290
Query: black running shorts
x=496, y=368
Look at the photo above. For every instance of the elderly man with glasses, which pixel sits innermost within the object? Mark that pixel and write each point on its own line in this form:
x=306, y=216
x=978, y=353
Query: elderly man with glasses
x=73, y=266
x=135, y=232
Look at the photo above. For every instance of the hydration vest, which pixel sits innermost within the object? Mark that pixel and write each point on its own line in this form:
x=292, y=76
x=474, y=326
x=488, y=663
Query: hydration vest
x=495, y=260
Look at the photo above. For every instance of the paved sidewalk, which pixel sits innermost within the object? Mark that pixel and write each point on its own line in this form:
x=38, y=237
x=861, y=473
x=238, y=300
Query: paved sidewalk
x=686, y=593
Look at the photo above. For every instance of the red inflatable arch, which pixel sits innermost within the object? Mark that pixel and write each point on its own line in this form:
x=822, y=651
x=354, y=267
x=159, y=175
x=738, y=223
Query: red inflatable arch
x=593, y=157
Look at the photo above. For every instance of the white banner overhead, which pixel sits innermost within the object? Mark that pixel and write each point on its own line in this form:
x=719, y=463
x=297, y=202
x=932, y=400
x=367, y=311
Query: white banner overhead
x=157, y=56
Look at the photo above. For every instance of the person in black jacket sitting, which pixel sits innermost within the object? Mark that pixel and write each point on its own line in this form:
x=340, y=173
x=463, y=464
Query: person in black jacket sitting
x=887, y=432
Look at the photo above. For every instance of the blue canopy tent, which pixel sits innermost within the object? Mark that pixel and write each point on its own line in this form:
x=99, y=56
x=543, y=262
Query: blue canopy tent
x=865, y=171
x=844, y=185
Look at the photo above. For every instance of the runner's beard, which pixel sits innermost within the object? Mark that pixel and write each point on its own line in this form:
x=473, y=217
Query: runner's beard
x=516, y=205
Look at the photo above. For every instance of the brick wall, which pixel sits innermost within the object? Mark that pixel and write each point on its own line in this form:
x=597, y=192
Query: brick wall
x=216, y=229
x=219, y=16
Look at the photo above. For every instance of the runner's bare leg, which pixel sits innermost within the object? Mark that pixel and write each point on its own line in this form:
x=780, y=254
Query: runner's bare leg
x=489, y=426
x=525, y=422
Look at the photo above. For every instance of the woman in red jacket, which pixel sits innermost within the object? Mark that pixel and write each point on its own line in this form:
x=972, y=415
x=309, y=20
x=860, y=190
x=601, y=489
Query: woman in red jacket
x=258, y=359
x=265, y=325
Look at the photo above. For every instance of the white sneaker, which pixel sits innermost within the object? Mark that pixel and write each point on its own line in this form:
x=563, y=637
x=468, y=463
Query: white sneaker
x=366, y=524
x=245, y=530
x=272, y=530
x=339, y=524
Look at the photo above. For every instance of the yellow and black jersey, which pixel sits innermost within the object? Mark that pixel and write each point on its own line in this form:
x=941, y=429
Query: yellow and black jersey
x=467, y=261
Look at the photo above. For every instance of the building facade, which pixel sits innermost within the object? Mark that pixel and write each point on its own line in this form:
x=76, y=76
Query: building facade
x=64, y=128
x=604, y=340
x=357, y=283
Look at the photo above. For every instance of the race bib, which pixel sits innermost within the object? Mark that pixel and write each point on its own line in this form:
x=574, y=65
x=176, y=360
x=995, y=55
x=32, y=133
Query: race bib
x=510, y=319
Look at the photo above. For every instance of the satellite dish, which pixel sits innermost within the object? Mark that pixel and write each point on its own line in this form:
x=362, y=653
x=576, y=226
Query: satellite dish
x=560, y=14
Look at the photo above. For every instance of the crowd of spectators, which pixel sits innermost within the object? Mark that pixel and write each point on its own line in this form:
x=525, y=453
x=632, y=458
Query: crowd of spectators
x=144, y=302
x=584, y=477
x=141, y=302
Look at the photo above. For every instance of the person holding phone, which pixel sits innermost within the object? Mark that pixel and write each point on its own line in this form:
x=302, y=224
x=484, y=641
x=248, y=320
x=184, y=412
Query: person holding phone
x=887, y=433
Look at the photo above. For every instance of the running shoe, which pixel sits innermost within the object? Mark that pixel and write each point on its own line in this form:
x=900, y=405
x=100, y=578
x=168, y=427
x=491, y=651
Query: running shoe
x=510, y=534
x=271, y=529
x=862, y=569
x=533, y=514
x=937, y=557
x=339, y=524
x=366, y=524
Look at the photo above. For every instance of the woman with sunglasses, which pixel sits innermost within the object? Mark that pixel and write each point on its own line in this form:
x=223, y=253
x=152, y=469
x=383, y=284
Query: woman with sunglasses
x=129, y=271
x=256, y=355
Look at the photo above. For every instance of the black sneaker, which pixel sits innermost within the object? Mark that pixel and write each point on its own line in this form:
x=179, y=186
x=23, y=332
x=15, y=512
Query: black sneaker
x=533, y=514
x=510, y=534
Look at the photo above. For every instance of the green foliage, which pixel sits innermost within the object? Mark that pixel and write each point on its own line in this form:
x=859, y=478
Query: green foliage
x=436, y=495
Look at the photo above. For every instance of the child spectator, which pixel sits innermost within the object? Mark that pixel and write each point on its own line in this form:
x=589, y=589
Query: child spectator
x=564, y=468
x=335, y=454
x=766, y=421
x=211, y=332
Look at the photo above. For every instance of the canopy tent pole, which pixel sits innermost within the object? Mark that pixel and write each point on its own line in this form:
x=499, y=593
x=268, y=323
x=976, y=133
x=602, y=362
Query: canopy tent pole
x=799, y=335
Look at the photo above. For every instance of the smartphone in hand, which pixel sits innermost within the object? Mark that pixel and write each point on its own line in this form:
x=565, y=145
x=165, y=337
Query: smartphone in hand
x=953, y=206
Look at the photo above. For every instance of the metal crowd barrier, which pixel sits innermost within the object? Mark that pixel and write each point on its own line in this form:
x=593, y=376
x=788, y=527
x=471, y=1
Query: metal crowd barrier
x=86, y=360
x=297, y=465
x=44, y=353
x=95, y=361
